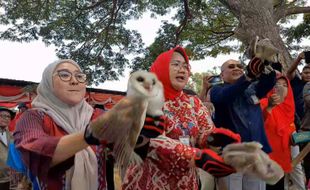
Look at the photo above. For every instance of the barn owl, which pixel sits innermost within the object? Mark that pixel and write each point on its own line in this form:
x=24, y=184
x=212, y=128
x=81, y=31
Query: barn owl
x=247, y=157
x=265, y=50
x=147, y=90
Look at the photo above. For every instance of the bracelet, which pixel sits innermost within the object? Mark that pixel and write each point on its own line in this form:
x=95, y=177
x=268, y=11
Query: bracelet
x=89, y=138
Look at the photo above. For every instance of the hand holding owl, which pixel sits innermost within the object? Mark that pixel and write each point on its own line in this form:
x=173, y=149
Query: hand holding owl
x=117, y=119
x=221, y=137
x=146, y=93
x=261, y=52
x=249, y=158
x=153, y=126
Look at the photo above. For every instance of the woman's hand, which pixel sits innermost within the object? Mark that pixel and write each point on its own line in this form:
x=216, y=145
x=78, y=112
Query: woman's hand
x=115, y=123
x=274, y=100
x=205, y=81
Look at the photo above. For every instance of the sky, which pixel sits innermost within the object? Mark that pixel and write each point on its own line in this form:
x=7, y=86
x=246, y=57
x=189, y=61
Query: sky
x=26, y=61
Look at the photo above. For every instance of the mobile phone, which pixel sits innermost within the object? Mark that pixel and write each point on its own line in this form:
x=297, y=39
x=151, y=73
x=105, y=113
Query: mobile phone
x=278, y=89
x=307, y=56
x=215, y=80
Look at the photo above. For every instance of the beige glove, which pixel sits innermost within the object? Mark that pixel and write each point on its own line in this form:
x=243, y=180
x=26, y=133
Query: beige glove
x=250, y=159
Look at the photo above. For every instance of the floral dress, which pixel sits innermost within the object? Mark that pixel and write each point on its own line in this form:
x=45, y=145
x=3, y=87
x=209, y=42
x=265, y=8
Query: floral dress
x=169, y=163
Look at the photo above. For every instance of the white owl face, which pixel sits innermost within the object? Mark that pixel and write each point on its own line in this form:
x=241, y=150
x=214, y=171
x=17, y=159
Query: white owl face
x=143, y=83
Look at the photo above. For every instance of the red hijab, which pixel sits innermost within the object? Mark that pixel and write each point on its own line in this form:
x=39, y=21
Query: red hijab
x=279, y=125
x=284, y=112
x=161, y=68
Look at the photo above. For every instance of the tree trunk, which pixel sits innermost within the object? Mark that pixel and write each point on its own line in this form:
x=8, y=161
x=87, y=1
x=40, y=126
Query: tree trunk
x=256, y=18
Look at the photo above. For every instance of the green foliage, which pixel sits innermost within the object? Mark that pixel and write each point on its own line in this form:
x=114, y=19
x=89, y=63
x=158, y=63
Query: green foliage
x=299, y=32
x=210, y=29
x=94, y=34
x=195, y=82
x=205, y=34
x=90, y=32
x=162, y=43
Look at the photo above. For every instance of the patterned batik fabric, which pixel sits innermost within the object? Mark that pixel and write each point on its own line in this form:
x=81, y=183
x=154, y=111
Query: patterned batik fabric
x=169, y=163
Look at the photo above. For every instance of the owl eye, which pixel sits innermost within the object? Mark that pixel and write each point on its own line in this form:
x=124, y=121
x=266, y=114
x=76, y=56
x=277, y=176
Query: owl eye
x=154, y=82
x=140, y=79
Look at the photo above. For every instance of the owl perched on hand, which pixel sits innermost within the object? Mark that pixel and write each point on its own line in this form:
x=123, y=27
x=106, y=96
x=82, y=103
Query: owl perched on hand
x=262, y=49
x=265, y=50
x=148, y=91
x=145, y=85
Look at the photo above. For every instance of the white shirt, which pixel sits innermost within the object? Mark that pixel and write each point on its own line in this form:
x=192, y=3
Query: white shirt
x=3, y=138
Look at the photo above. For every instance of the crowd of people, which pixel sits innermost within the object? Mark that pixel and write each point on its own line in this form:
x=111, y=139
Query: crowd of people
x=235, y=135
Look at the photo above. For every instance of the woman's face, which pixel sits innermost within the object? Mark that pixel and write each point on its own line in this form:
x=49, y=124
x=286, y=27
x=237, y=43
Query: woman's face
x=282, y=83
x=178, y=71
x=68, y=83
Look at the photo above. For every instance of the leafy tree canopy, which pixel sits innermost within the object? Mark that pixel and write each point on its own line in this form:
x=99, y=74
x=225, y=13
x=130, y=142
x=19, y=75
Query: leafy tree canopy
x=94, y=34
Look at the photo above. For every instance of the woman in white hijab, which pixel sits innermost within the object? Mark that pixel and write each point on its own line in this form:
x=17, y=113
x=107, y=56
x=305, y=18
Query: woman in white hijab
x=54, y=137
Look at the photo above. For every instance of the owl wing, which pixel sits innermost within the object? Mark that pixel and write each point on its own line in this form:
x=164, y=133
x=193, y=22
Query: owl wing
x=266, y=50
x=137, y=125
x=124, y=150
x=138, y=88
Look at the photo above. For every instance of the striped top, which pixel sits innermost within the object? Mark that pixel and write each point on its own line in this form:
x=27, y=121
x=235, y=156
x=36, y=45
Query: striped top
x=36, y=137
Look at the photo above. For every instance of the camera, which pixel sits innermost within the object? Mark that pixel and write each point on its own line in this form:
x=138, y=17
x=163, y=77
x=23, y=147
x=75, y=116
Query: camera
x=216, y=80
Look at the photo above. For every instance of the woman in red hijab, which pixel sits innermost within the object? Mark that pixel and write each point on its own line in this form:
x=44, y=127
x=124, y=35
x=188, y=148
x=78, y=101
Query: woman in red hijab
x=172, y=158
x=278, y=109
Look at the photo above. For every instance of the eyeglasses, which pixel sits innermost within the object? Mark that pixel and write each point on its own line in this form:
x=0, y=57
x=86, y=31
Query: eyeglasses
x=232, y=66
x=66, y=76
x=5, y=116
x=177, y=65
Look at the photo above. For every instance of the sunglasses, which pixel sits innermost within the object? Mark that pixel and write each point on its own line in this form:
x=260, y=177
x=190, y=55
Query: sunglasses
x=232, y=66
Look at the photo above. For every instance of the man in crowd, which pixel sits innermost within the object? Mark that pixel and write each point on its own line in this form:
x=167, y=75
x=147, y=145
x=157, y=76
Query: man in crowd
x=298, y=82
x=237, y=108
x=6, y=115
x=22, y=107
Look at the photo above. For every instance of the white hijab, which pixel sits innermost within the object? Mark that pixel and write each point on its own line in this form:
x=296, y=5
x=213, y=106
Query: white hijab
x=72, y=119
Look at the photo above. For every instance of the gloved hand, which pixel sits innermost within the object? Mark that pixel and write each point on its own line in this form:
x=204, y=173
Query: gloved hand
x=268, y=68
x=153, y=126
x=254, y=68
x=249, y=158
x=212, y=163
x=115, y=124
x=221, y=137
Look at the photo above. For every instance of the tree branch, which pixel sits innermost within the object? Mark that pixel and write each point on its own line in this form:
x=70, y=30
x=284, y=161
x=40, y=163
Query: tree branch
x=281, y=13
x=114, y=14
x=233, y=6
x=296, y=10
x=187, y=17
x=225, y=3
x=223, y=32
x=89, y=7
x=217, y=40
x=291, y=3
x=280, y=3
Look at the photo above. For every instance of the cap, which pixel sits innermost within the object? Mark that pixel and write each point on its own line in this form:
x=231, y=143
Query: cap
x=8, y=110
x=22, y=105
